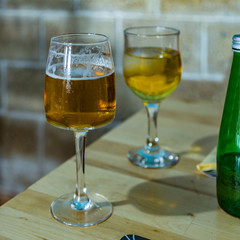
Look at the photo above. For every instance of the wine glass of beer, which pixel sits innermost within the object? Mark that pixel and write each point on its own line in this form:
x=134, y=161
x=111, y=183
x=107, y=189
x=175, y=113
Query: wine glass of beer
x=79, y=96
x=152, y=70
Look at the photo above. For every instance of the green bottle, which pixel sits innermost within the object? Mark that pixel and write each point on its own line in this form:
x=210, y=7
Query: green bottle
x=228, y=150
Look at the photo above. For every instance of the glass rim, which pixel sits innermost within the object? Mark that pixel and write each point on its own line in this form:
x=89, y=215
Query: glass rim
x=54, y=40
x=173, y=32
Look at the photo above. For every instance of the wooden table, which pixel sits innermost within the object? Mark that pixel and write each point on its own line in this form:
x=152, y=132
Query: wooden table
x=176, y=203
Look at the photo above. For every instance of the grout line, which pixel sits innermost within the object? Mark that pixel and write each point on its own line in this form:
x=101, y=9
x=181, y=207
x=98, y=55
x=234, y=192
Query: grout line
x=42, y=41
x=213, y=77
x=32, y=13
x=25, y=64
x=123, y=14
x=4, y=86
x=75, y=6
x=3, y=4
x=155, y=7
x=40, y=147
x=204, y=49
x=118, y=42
x=24, y=115
x=160, y=6
x=149, y=6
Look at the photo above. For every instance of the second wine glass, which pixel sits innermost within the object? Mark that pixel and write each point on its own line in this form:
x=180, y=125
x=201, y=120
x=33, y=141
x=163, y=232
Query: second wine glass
x=152, y=70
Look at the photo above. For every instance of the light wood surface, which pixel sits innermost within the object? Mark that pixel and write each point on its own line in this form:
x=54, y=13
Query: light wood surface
x=176, y=203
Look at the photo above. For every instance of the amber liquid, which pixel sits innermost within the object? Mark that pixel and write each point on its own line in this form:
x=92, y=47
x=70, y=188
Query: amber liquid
x=152, y=73
x=80, y=103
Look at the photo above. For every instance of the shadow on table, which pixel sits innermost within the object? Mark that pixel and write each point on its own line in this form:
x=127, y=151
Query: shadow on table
x=203, y=146
x=161, y=199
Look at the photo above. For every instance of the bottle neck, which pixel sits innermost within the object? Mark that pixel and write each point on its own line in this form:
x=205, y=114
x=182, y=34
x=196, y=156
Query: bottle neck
x=236, y=43
x=236, y=51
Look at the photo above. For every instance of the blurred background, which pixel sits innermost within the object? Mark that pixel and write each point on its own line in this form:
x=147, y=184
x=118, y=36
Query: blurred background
x=29, y=147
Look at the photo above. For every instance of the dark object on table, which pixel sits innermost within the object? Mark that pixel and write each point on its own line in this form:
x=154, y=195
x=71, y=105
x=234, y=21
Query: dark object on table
x=133, y=237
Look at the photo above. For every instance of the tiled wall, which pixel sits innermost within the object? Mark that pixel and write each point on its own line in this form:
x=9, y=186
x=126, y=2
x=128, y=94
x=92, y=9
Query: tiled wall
x=29, y=147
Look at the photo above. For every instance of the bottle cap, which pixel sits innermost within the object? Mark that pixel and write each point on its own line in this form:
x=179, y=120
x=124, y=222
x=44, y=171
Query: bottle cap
x=236, y=42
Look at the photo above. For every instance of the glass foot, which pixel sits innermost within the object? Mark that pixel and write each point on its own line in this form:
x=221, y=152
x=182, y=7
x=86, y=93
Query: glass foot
x=157, y=159
x=97, y=210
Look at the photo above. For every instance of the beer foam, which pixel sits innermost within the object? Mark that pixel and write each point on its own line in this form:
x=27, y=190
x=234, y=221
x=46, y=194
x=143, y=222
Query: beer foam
x=78, y=73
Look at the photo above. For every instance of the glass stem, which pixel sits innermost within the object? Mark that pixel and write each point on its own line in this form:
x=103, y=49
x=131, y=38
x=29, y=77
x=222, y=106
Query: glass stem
x=152, y=134
x=80, y=199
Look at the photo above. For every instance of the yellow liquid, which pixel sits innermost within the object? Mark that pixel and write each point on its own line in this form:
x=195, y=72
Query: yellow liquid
x=80, y=103
x=152, y=73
